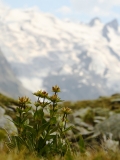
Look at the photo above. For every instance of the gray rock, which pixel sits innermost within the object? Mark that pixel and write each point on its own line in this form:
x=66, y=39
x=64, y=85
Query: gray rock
x=6, y=123
x=110, y=125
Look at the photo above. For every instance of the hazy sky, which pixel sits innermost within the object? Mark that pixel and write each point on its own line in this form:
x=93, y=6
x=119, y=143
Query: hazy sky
x=77, y=10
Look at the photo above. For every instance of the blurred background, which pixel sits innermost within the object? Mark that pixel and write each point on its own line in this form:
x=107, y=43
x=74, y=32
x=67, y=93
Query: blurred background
x=72, y=43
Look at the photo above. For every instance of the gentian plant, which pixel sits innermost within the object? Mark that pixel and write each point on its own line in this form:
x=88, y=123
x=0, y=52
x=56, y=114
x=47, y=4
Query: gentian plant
x=41, y=130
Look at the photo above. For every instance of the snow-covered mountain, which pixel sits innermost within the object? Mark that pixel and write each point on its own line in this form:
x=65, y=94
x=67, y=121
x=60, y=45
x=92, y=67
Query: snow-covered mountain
x=83, y=59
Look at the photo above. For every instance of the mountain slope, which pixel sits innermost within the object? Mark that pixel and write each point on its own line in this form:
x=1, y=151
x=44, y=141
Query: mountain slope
x=9, y=84
x=83, y=59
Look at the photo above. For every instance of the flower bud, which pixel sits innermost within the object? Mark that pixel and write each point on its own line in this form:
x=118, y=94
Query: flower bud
x=56, y=89
x=24, y=100
x=37, y=104
x=54, y=98
x=40, y=93
x=66, y=110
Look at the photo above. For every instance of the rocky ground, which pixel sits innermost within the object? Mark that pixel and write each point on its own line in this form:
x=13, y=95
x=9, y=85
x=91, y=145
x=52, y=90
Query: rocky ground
x=98, y=121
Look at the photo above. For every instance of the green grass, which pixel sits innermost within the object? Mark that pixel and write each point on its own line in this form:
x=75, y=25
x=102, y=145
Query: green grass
x=6, y=101
x=101, y=102
x=89, y=155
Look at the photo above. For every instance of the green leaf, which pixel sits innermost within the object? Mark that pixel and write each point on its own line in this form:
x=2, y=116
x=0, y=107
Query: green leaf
x=53, y=120
x=19, y=139
x=26, y=122
x=39, y=114
x=81, y=144
x=43, y=127
x=54, y=129
x=67, y=129
x=16, y=141
x=49, y=137
x=10, y=145
x=41, y=143
x=19, y=110
x=17, y=121
x=30, y=144
x=27, y=109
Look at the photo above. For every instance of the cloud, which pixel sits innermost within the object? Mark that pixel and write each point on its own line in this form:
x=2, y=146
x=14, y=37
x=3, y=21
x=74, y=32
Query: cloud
x=93, y=7
x=90, y=4
x=64, y=10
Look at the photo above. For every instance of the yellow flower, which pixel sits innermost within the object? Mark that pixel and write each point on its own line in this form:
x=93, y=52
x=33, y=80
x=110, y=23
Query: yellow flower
x=40, y=93
x=37, y=104
x=54, y=98
x=66, y=110
x=44, y=94
x=56, y=89
x=24, y=100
